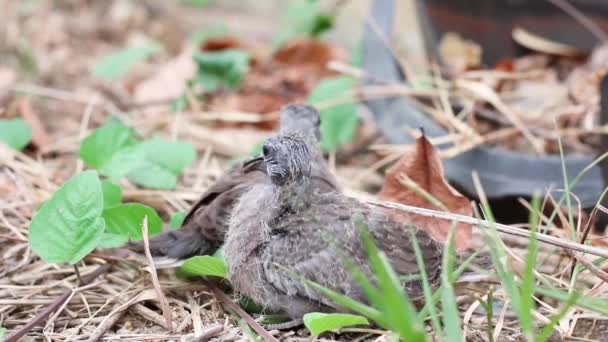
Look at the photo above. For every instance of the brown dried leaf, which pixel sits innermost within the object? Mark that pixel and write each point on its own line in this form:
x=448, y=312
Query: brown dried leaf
x=422, y=165
x=458, y=53
x=310, y=53
x=169, y=82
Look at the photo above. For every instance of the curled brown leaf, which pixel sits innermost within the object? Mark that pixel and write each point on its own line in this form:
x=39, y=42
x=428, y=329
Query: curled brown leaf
x=417, y=179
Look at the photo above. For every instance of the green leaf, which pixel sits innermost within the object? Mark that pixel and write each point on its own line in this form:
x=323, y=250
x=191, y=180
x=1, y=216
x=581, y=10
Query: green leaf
x=124, y=161
x=338, y=122
x=426, y=286
x=2, y=333
x=224, y=68
x=109, y=240
x=349, y=303
x=548, y=329
x=528, y=280
x=304, y=18
x=319, y=323
x=171, y=155
x=205, y=265
x=165, y=160
x=68, y=226
x=99, y=147
x=16, y=133
x=118, y=63
x=126, y=220
x=451, y=315
x=150, y=175
x=197, y=3
x=177, y=219
x=112, y=194
x=595, y=304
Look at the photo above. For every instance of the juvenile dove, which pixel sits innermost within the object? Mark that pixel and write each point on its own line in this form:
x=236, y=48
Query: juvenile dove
x=286, y=230
x=205, y=226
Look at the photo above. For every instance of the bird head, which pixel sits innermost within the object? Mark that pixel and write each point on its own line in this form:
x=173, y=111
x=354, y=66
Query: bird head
x=287, y=158
x=302, y=119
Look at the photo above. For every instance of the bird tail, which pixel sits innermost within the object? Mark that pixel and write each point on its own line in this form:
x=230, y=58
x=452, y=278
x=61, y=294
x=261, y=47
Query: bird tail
x=172, y=246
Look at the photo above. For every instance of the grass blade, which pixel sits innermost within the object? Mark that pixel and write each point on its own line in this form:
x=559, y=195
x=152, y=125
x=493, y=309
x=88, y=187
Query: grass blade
x=528, y=281
x=451, y=317
x=426, y=287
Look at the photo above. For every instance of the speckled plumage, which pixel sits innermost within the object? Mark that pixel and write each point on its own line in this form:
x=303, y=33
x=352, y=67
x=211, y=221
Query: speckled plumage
x=205, y=226
x=286, y=229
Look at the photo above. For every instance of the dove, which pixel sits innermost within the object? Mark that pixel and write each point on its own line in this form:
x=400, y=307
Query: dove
x=205, y=225
x=286, y=230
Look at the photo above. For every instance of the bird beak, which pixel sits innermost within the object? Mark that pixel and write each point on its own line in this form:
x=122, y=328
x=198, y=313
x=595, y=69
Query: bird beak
x=255, y=164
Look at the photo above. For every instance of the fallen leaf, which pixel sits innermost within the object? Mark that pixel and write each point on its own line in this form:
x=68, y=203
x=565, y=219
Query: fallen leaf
x=541, y=44
x=458, y=53
x=421, y=164
x=313, y=53
x=169, y=81
x=40, y=137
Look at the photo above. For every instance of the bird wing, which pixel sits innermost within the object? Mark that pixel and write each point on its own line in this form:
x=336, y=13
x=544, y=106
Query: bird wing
x=313, y=245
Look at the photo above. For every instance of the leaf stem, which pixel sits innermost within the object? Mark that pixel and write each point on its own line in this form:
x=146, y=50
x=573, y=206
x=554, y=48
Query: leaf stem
x=80, y=283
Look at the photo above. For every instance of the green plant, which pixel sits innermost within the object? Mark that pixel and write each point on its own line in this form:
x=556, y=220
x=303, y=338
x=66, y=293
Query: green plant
x=224, y=68
x=451, y=317
x=318, y=323
x=112, y=149
x=164, y=160
x=69, y=225
x=521, y=294
x=115, y=151
x=177, y=220
x=112, y=194
x=118, y=63
x=305, y=18
x=16, y=133
x=123, y=223
x=206, y=265
x=338, y=110
x=77, y=219
x=390, y=306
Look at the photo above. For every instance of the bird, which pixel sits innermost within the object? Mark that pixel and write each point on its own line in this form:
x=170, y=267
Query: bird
x=284, y=231
x=205, y=225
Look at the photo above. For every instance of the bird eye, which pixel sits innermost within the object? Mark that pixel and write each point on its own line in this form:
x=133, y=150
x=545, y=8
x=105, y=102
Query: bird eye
x=265, y=150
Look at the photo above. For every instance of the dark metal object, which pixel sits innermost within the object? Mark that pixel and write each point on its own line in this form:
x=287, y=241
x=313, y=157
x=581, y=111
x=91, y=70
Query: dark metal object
x=489, y=23
x=502, y=172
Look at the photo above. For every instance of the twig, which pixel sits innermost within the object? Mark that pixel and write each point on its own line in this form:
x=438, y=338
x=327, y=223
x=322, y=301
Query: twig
x=78, y=274
x=548, y=239
x=209, y=333
x=54, y=306
x=106, y=325
x=244, y=315
x=161, y=297
x=598, y=272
